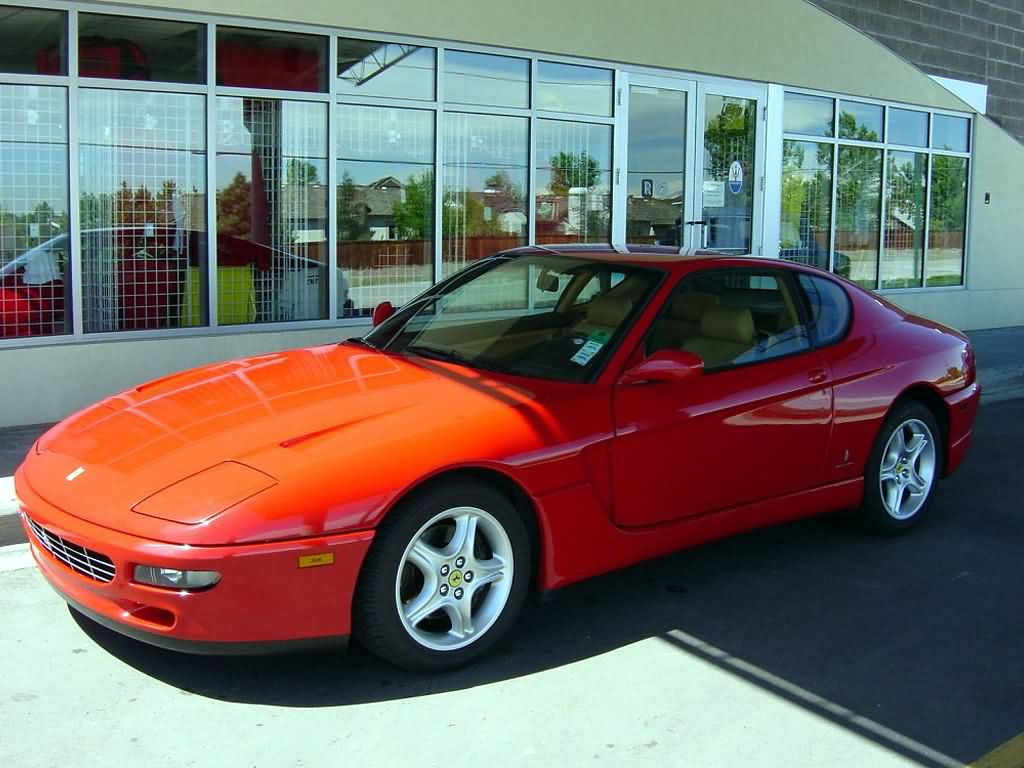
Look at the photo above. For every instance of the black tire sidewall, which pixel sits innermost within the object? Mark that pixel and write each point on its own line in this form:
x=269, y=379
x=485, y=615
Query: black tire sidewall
x=376, y=623
x=873, y=512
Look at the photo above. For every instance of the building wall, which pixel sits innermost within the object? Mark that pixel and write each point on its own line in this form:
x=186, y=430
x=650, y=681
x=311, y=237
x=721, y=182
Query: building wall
x=721, y=38
x=980, y=41
x=724, y=40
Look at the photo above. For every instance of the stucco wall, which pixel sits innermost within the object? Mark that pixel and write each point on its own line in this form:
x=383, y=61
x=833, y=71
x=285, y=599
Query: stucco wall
x=783, y=41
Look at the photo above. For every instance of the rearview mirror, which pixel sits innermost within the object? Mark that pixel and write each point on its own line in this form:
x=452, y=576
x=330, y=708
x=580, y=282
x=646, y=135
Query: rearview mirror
x=547, y=281
x=382, y=312
x=665, y=365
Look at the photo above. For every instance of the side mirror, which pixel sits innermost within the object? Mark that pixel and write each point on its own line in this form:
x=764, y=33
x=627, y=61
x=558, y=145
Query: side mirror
x=665, y=365
x=382, y=312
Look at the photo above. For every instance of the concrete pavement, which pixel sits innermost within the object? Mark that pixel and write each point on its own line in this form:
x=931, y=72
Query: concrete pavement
x=808, y=644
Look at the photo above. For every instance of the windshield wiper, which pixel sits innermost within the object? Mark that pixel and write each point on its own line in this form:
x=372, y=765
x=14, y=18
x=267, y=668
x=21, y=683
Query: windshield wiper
x=360, y=341
x=436, y=353
x=454, y=356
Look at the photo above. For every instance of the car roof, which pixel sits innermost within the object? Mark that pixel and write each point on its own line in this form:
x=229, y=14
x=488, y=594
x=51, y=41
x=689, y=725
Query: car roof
x=638, y=254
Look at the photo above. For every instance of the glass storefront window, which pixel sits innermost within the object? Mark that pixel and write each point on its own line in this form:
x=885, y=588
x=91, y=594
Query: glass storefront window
x=809, y=115
x=271, y=210
x=950, y=133
x=142, y=193
x=33, y=41
x=385, y=205
x=483, y=208
x=252, y=58
x=126, y=48
x=945, y=261
x=573, y=182
x=907, y=126
x=35, y=250
x=804, y=231
x=477, y=78
x=388, y=70
x=858, y=199
x=905, y=202
x=730, y=139
x=655, y=160
x=860, y=121
x=570, y=88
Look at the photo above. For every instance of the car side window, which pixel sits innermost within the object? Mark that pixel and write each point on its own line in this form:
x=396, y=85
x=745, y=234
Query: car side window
x=731, y=317
x=829, y=308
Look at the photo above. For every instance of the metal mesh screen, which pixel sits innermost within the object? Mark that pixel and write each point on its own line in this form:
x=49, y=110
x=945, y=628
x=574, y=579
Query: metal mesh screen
x=142, y=200
x=34, y=249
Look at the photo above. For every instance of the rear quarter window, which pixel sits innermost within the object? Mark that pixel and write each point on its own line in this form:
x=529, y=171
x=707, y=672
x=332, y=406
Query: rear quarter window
x=829, y=308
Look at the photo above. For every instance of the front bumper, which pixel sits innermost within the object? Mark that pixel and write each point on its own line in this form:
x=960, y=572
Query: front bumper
x=263, y=601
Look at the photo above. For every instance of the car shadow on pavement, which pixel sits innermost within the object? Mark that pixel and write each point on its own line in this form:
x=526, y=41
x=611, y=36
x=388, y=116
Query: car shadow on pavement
x=911, y=641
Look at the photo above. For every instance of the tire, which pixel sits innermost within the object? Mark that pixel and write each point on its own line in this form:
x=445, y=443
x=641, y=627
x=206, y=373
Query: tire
x=446, y=578
x=903, y=470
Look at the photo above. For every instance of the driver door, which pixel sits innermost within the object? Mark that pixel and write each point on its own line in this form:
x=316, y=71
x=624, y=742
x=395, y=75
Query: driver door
x=754, y=425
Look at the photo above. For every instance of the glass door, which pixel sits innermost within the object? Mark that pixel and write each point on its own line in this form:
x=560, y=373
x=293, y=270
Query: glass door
x=657, y=193
x=728, y=192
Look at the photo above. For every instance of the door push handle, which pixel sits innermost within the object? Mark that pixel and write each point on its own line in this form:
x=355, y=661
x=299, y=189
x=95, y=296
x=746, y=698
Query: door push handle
x=691, y=223
x=817, y=376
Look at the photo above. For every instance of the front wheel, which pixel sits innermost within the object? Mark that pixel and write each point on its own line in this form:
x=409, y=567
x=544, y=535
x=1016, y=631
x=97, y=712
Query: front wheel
x=445, y=579
x=903, y=469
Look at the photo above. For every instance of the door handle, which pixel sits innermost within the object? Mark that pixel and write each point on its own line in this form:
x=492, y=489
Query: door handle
x=691, y=223
x=817, y=376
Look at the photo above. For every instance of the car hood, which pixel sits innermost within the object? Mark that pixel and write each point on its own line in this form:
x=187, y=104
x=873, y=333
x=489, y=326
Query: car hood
x=284, y=418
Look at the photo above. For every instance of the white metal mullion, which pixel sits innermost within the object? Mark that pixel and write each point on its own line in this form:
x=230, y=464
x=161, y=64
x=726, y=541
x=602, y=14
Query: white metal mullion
x=573, y=117
x=212, y=319
x=74, y=169
x=267, y=93
x=969, y=212
x=531, y=160
x=439, y=135
x=883, y=220
x=620, y=150
x=771, y=195
x=26, y=79
x=927, y=220
x=833, y=218
x=333, y=115
x=146, y=86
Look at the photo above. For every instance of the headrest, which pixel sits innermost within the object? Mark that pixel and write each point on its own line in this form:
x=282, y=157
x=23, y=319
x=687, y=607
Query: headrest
x=691, y=305
x=734, y=324
x=608, y=311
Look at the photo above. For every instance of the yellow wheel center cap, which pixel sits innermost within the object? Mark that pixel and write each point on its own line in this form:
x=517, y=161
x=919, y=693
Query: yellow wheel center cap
x=455, y=578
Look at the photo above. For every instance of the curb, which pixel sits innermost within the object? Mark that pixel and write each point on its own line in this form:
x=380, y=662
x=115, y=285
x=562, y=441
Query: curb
x=8, y=501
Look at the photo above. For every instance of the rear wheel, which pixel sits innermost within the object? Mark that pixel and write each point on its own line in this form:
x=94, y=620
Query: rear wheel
x=446, y=578
x=903, y=469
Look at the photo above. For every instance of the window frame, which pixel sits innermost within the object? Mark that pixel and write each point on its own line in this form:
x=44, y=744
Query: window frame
x=886, y=147
x=806, y=307
x=780, y=274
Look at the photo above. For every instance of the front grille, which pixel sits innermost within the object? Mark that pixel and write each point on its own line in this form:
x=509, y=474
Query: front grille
x=87, y=562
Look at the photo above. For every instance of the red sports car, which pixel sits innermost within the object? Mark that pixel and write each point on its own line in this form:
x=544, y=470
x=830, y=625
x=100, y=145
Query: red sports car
x=540, y=417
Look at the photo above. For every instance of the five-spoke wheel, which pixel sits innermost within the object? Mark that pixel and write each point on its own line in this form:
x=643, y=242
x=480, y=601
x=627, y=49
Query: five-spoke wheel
x=454, y=579
x=446, y=577
x=903, y=469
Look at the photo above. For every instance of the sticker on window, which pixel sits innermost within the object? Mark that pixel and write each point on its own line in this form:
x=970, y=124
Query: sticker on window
x=594, y=343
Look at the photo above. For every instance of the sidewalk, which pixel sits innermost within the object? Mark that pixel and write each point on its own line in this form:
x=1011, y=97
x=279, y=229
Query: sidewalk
x=1000, y=354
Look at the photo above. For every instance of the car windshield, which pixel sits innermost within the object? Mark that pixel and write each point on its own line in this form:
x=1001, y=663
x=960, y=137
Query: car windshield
x=545, y=315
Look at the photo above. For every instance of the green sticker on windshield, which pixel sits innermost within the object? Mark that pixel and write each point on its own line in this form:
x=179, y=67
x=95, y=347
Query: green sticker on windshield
x=601, y=337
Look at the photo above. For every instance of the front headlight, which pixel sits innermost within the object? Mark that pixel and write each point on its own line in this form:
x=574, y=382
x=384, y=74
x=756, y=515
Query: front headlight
x=172, y=578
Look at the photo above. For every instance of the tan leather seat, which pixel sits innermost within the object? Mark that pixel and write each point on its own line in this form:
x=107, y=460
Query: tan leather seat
x=682, y=320
x=604, y=313
x=725, y=334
